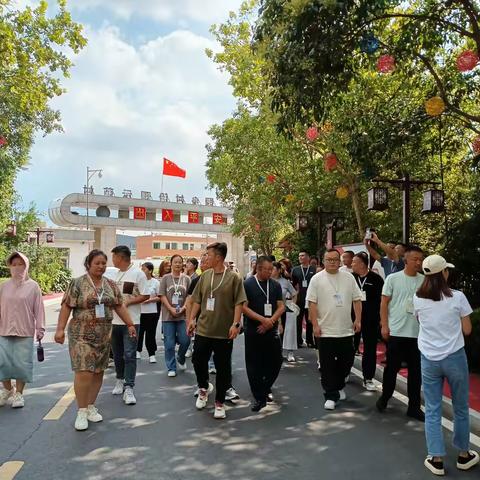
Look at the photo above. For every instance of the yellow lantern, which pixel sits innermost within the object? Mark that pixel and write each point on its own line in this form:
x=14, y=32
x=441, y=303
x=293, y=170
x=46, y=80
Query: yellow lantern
x=342, y=192
x=434, y=106
x=290, y=197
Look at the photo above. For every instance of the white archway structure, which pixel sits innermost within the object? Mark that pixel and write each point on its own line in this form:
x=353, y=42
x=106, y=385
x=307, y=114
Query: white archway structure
x=113, y=213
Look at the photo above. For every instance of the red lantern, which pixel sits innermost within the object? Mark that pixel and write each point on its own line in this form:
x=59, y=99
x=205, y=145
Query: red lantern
x=330, y=162
x=257, y=227
x=386, y=64
x=476, y=145
x=467, y=60
x=271, y=178
x=312, y=134
x=3, y=141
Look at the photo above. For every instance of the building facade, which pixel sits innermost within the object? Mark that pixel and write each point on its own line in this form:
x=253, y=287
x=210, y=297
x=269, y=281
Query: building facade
x=164, y=246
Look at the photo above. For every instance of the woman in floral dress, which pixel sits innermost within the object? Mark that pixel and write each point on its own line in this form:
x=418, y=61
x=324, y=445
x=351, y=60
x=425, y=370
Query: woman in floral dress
x=91, y=299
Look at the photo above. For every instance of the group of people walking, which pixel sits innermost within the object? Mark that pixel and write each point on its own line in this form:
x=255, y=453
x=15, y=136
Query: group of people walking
x=420, y=318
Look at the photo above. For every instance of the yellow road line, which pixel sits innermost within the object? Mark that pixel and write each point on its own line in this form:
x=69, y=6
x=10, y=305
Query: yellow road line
x=61, y=406
x=9, y=469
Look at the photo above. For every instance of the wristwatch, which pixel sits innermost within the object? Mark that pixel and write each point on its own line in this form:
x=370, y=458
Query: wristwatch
x=237, y=325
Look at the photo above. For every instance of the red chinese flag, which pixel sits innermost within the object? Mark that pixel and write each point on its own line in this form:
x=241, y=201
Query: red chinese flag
x=218, y=219
x=139, y=213
x=193, y=217
x=173, y=170
x=167, y=215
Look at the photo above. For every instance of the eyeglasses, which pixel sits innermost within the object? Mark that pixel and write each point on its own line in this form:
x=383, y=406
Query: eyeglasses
x=332, y=260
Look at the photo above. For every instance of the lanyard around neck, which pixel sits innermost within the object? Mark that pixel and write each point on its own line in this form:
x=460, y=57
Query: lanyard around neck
x=176, y=286
x=304, y=272
x=213, y=290
x=267, y=293
x=124, y=273
x=99, y=295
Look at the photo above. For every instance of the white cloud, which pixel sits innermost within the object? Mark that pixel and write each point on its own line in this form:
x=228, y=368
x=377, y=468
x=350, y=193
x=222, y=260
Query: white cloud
x=127, y=107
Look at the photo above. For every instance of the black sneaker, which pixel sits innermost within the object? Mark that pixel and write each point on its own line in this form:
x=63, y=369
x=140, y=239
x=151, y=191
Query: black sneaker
x=435, y=467
x=381, y=404
x=257, y=405
x=417, y=414
x=465, y=463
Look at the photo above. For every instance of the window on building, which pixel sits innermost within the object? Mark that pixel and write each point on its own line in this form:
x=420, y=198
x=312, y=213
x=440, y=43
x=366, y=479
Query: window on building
x=184, y=246
x=203, y=246
x=192, y=246
x=174, y=245
x=168, y=246
x=157, y=245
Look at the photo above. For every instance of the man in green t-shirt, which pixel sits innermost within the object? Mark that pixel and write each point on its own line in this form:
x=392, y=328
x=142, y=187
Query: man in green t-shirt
x=218, y=297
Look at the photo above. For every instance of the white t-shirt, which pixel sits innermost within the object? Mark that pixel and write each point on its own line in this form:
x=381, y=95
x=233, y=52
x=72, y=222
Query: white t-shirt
x=440, y=324
x=334, y=295
x=131, y=283
x=344, y=268
x=153, y=286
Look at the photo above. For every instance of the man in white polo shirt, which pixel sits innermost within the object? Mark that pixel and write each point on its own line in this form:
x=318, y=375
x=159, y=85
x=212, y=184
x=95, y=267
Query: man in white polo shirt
x=330, y=297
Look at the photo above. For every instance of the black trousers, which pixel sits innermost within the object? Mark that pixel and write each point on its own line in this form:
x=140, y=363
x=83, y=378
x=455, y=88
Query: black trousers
x=309, y=327
x=148, y=329
x=401, y=349
x=336, y=358
x=222, y=356
x=370, y=336
x=263, y=359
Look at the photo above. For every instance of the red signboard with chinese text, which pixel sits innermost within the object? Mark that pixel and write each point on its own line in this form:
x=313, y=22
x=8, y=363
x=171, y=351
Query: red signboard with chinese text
x=139, y=213
x=218, y=219
x=167, y=215
x=193, y=217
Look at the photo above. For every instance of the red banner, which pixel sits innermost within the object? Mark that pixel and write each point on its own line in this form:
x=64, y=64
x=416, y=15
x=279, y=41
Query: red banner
x=167, y=215
x=218, y=219
x=139, y=213
x=172, y=169
x=193, y=217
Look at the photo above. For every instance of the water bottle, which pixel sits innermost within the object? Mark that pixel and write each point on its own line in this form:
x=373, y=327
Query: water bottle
x=40, y=353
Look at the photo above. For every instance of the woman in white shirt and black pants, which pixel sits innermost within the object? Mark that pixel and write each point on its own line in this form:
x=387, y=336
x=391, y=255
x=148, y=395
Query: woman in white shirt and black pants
x=443, y=315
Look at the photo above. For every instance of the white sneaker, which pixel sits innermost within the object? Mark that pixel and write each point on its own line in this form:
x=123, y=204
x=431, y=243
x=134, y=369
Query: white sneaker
x=188, y=354
x=231, y=394
x=129, y=397
x=118, y=388
x=202, y=398
x=182, y=366
x=369, y=385
x=290, y=357
x=152, y=359
x=93, y=415
x=343, y=395
x=329, y=405
x=212, y=371
x=17, y=400
x=6, y=396
x=81, y=422
x=219, y=412
x=172, y=373
x=139, y=355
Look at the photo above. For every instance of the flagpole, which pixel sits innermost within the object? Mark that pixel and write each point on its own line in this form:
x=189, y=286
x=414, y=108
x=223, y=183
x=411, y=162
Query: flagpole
x=161, y=187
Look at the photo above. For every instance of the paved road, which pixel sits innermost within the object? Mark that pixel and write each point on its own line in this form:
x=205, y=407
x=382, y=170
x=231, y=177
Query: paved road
x=164, y=437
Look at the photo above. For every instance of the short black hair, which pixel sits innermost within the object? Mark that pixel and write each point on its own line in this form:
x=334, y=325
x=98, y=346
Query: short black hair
x=89, y=258
x=350, y=252
x=303, y=251
x=404, y=245
x=413, y=248
x=174, y=257
x=363, y=257
x=330, y=250
x=194, y=262
x=272, y=258
x=123, y=251
x=148, y=265
x=220, y=248
x=263, y=259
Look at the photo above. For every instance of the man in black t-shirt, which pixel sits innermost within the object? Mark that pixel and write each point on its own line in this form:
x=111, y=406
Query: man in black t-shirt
x=301, y=276
x=263, y=349
x=371, y=285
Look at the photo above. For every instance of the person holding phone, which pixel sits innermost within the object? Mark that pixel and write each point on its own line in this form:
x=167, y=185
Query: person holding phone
x=92, y=300
x=393, y=261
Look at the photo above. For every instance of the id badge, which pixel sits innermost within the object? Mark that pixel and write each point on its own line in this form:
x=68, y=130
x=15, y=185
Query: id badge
x=268, y=310
x=210, y=304
x=338, y=300
x=175, y=299
x=304, y=283
x=409, y=307
x=100, y=310
x=364, y=295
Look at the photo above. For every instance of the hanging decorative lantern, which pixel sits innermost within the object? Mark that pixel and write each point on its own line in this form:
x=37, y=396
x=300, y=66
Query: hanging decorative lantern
x=342, y=192
x=312, y=134
x=435, y=106
x=290, y=198
x=327, y=127
x=476, y=145
x=386, y=64
x=377, y=198
x=3, y=141
x=261, y=179
x=301, y=222
x=330, y=162
x=11, y=230
x=369, y=44
x=467, y=61
x=433, y=201
x=271, y=178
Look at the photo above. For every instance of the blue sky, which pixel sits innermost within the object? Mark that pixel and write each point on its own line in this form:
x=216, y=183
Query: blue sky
x=142, y=89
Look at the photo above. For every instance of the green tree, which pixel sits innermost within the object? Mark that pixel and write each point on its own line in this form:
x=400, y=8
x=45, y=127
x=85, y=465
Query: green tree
x=34, y=60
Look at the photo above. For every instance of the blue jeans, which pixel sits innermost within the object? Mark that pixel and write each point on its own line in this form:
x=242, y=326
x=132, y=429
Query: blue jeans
x=454, y=368
x=175, y=332
x=125, y=354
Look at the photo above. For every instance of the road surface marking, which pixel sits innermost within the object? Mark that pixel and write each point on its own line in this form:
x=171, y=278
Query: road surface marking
x=474, y=439
x=9, y=469
x=61, y=406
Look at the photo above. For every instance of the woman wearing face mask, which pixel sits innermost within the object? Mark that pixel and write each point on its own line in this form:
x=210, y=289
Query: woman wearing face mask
x=91, y=299
x=173, y=293
x=22, y=316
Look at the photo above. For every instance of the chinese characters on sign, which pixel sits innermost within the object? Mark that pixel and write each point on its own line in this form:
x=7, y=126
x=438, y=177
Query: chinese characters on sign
x=196, y=201
x=87, y=190
x=218, y=219
x=164, y=197
x=139, y=213
x=180, y=199
x=146, y=195
x=167, y=215
x=209, y=202
x=127, y=194
x=193, y=217
x=108, y=192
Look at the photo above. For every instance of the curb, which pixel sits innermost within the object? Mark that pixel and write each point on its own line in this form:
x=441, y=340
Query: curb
x=52, y=300
x=447, y=403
